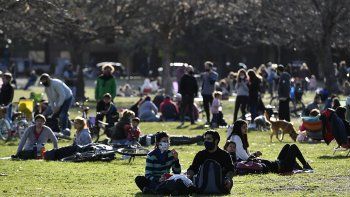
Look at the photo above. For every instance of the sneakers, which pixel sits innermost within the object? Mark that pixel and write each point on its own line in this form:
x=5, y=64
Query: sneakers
x=307, y=168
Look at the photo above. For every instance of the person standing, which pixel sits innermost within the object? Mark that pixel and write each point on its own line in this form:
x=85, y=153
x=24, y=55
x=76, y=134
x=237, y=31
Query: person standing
x=6, y=94
x=60, y=97
x=283, y=93
x=209, y=78
x=254, y=89
x=105, y=83
x=70, y=78
x=242, y=94
x=188, y=90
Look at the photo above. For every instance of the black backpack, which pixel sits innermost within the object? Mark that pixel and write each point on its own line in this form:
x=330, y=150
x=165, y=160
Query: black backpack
x=209, y=179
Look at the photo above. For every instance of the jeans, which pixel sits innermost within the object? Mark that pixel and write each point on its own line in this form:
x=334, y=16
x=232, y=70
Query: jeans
x=207, y=100
x=241, y=102
x=253, y=103
x=63, y=113
x=9, y=113
x=187, y=101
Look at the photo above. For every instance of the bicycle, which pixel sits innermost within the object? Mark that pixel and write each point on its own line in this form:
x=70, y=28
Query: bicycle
x=134, y=149
x=90, y=121
x=16, y=128
x=100, y=152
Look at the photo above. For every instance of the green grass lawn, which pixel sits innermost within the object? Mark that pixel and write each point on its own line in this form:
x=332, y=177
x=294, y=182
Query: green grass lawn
x=116, y=178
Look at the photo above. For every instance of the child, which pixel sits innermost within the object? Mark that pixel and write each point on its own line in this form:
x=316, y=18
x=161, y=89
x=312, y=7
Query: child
x=216, y=110
x=230, y=147
x=134, y=132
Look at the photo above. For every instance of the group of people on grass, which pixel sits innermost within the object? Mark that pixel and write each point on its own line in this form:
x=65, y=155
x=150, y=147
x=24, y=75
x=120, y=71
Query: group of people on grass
x=162, y=160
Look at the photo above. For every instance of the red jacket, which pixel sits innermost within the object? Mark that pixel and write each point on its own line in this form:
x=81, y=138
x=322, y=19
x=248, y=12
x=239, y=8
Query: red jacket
x=168, y=101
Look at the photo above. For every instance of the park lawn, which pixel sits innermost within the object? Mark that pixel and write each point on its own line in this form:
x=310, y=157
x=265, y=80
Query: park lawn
x=116, y=178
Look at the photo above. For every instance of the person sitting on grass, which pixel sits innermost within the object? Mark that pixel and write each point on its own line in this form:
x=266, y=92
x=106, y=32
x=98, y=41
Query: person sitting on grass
x=169, y=110
x=119, y=132
x=286, y=160
x=230, y=147
x=304, y=135
x=106, y=108
x=221, y=159
x=335, y=103
x=158, y=164
x=134, y=132
x=341, y=111
x=148, y=110
x=314, y=105
x=239, y=136
x=35, y=135
x=83, y=136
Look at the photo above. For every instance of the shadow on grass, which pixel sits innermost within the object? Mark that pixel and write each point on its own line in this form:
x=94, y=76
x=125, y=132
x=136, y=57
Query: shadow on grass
x=10, y=143
x=333, y=157
x=199, y=127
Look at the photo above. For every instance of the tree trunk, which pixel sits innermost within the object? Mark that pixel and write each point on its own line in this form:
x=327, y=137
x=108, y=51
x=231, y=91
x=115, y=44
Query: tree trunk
x=77, y=60
x=167, y=82
x=326, y=64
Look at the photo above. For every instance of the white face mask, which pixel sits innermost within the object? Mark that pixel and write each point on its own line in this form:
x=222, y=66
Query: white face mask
x=242, y=77
x=163, y=146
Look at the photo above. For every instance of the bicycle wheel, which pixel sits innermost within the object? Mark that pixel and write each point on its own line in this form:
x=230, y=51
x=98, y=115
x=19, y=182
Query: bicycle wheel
x=5, y=129
x=78, y=157
x=133, y=151
x=95, y=134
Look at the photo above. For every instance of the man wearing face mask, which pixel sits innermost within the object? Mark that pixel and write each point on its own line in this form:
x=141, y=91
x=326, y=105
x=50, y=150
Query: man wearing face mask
x=213, y=152
x=188, y=90
x=59, y=97
x=209, y=78
x=158, y=164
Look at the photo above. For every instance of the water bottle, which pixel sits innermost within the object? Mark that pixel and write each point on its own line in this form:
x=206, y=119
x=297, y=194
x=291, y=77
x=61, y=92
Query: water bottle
x=148, y=140
x=35, y=150
x=42, y=150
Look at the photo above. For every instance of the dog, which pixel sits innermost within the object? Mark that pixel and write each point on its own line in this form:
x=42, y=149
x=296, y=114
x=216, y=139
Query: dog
x=261, y=123
x=285, y=126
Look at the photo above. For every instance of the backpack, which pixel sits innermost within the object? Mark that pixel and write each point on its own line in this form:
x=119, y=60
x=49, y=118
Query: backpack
x=209, y=179
x=250, y=167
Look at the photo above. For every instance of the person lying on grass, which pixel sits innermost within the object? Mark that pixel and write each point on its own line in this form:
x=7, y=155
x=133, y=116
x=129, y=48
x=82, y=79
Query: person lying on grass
x=38, y=135
x=286, y=160
x=82, y=136
x=158, y=164
x=213, y=152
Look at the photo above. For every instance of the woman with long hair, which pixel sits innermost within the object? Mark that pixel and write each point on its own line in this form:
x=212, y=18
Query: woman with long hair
x=254, y=91
x=242, y=94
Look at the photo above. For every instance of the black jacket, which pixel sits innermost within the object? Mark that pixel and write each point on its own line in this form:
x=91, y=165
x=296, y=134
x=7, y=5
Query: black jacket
x=284, y=85
x=188, y=85
x=6, y=94
x=254, y=89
